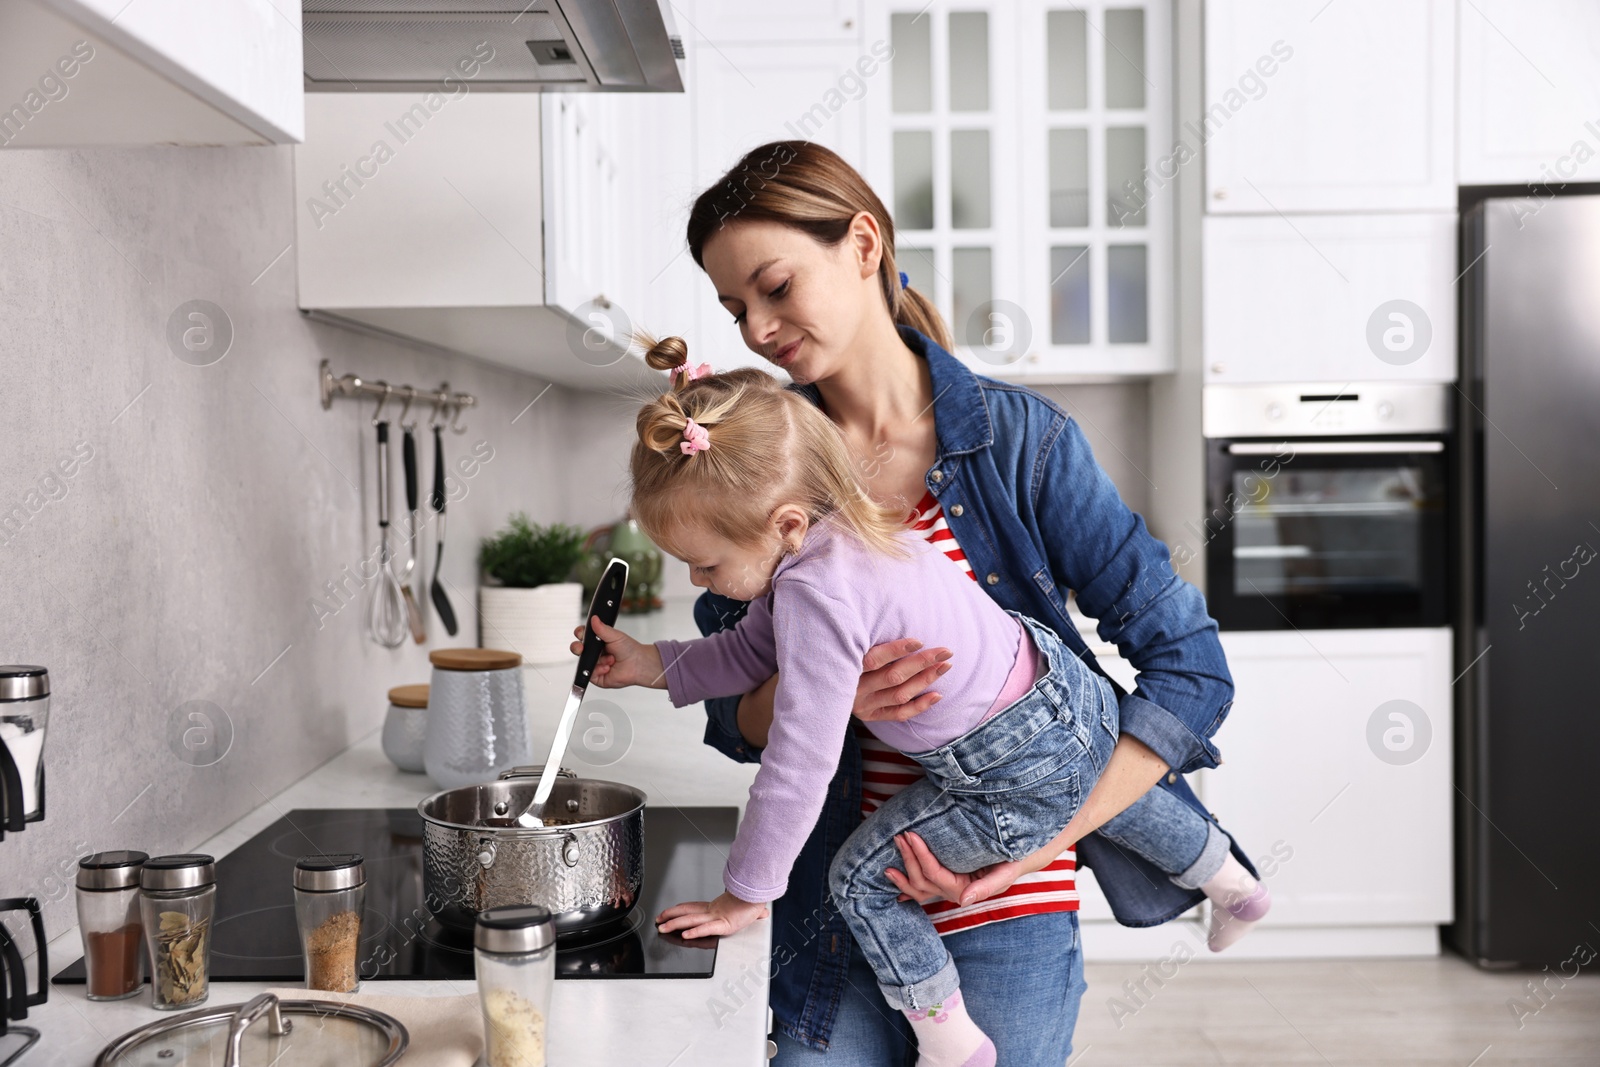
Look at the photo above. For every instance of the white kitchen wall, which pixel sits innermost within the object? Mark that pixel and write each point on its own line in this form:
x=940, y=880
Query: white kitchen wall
x=183, y=557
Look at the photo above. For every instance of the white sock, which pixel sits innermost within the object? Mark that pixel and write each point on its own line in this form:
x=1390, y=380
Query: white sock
x=1238, y=902
x=947, y=1036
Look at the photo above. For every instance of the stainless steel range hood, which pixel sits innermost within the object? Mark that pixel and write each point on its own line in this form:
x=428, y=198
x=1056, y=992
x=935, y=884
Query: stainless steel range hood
x=498, y=45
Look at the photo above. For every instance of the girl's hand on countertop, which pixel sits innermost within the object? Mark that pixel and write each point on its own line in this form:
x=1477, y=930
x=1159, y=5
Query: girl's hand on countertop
x=701, y=918
x=625, y=661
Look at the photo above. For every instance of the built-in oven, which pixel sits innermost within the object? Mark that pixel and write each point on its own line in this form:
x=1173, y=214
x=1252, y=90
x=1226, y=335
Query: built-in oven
x=1327, y=506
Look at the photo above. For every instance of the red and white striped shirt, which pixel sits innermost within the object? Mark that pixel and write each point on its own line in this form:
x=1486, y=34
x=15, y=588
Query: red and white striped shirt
x=884, y=772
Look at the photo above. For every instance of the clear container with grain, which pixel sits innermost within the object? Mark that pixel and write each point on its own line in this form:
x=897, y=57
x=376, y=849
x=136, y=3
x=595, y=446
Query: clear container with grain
x=109, y=920
x=329, y=893
x=515, y=954
x=177, y=901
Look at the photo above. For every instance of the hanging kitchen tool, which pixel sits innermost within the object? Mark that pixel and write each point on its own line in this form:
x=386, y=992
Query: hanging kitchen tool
x=408, y=457
x=606, y=604
x=441, y=602
x=386, y=617
x=295, y=1032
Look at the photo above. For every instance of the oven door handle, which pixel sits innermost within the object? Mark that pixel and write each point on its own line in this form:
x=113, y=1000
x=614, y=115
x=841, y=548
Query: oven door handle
x=1331, y=448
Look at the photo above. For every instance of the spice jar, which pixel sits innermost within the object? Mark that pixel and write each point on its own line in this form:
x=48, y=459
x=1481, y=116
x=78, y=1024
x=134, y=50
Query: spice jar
x=405, y=727
x=108, y=919
x=178, y=896
x=329, y=891
x=515, y=951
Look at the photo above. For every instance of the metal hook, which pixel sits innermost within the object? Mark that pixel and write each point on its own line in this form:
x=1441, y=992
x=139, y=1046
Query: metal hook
x=411, y=394
x=441, y=402
x=384, y=399
x=456, y=418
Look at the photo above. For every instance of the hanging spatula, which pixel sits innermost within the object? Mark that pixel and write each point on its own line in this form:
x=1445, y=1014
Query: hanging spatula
x=606, y=604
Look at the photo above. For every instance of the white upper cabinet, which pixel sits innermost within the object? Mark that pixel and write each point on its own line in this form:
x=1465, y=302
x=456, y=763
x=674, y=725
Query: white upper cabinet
x=1530, y=92
x=484, y=223
x=1334, y=298
x=1020, y=148
x=1316, y=106
x=775, y=21
x=167, y=72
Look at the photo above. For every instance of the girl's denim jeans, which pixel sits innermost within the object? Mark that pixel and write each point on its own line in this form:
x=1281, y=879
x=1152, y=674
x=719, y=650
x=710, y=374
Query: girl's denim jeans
x=1000, y=792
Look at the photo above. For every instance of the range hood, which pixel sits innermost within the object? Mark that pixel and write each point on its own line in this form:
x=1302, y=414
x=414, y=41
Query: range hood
x=497, y=45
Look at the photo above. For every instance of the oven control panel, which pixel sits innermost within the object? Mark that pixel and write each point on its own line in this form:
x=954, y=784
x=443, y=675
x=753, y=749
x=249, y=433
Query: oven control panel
x=1324, y=409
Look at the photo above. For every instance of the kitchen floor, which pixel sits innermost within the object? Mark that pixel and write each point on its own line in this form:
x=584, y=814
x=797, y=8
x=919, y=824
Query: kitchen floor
x=1439, y=1012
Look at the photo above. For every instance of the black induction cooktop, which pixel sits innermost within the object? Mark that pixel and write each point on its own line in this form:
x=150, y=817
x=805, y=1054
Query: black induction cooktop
x=255, y=939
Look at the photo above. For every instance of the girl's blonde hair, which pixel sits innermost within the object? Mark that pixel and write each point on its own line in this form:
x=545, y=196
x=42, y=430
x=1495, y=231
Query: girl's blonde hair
x=767, y=446
x=811, y=188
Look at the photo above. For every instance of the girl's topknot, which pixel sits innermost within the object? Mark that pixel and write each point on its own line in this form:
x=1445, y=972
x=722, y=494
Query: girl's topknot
x=720, y=451
x=668, y=354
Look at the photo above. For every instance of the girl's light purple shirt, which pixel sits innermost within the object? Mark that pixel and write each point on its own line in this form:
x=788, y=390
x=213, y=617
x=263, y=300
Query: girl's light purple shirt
x=828, y=605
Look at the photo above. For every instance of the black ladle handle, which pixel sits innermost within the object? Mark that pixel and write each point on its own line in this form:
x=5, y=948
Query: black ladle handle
x=607, y=603
x=437, y=501
x=408, y=458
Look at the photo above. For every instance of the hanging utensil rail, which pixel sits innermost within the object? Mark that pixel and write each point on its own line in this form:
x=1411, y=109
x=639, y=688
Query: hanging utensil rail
x=354, y=385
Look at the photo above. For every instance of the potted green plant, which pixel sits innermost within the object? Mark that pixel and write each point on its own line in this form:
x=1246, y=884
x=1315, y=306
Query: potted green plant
x=526, y=603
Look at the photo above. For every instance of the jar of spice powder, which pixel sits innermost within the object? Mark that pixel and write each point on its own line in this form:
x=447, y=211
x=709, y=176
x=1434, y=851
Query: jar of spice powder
x=108, y=919
x=514, y=953
x=329, y=892
x=177, y=900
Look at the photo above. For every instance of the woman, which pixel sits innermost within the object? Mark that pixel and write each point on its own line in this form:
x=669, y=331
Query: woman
x=801, y=252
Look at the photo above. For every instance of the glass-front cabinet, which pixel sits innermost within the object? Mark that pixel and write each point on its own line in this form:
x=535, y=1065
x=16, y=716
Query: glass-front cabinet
x=1026, y=151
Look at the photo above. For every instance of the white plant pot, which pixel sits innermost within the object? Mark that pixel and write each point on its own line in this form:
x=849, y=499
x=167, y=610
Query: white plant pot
x=536, y=622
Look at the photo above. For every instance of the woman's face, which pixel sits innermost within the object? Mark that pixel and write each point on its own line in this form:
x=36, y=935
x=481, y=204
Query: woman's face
x=798, y=303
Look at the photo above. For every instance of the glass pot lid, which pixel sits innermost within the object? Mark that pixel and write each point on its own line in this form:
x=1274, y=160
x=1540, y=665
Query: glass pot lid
x=289, y=1033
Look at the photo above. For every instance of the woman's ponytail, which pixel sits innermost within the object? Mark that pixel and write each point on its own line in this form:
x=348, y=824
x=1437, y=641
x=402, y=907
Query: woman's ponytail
x=916, y=311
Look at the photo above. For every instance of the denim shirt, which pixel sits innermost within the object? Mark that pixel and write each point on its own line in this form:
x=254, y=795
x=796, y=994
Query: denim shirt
x=1038, y=517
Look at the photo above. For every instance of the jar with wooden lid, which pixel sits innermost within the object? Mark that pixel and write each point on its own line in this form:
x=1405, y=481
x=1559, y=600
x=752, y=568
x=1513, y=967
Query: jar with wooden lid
x=477, y=716
x=405, y=727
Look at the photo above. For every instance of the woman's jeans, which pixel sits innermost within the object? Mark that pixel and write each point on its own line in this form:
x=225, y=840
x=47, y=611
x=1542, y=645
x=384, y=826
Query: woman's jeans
x=1000, y=792
x=1023, y=985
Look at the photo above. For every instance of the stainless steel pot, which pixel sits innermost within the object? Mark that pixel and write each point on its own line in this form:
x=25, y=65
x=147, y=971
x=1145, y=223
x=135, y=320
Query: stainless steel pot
x=586, y=872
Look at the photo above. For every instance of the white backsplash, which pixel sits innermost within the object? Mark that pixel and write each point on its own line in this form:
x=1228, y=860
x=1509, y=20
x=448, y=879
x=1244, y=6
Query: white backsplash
x=168, y=530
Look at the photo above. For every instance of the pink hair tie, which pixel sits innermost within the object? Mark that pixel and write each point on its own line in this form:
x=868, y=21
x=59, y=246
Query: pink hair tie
x=695, y=438
x=691, y=374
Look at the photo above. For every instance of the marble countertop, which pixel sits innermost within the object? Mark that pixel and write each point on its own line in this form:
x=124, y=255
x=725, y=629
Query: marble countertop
x=638, y=738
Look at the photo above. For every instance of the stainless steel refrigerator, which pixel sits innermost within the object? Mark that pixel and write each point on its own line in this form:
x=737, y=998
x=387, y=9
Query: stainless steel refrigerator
x=1528, y=621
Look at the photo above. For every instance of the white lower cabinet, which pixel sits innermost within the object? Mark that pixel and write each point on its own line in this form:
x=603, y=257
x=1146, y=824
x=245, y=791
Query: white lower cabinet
x=1339, y=748
x=1336, y=780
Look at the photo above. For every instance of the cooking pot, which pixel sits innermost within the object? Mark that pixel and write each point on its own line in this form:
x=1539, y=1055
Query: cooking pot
x=585, y=865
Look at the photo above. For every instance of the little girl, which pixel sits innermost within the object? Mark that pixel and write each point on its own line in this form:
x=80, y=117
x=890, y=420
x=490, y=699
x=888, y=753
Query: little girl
x=752, y=486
